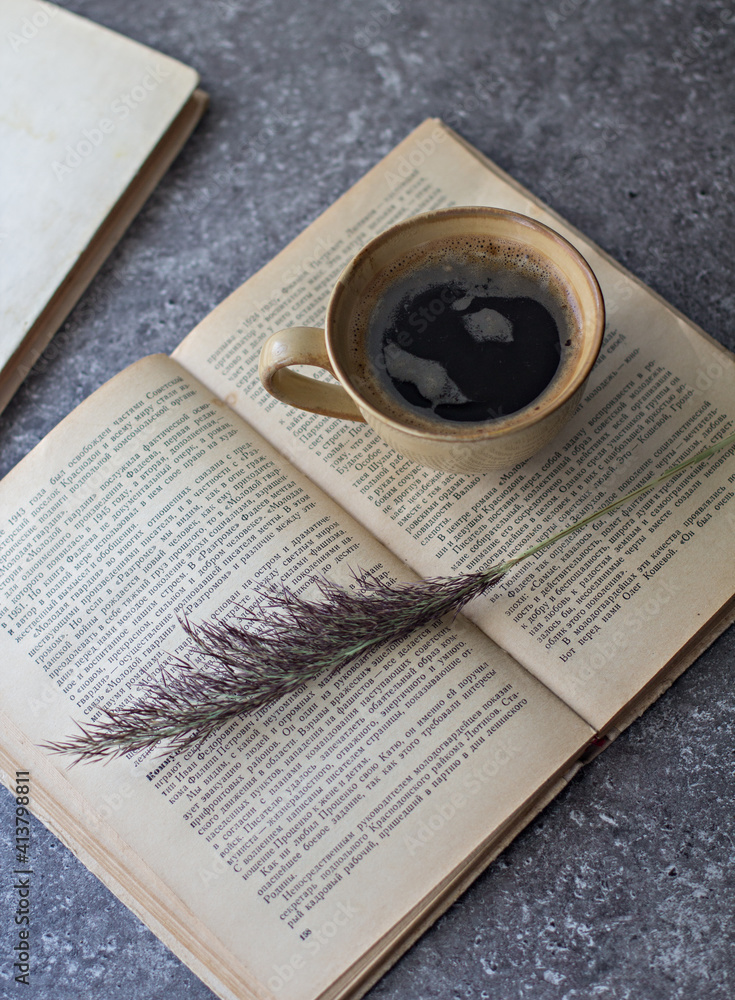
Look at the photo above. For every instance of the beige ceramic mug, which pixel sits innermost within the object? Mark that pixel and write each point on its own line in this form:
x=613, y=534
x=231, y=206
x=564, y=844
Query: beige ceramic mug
x=486, y=237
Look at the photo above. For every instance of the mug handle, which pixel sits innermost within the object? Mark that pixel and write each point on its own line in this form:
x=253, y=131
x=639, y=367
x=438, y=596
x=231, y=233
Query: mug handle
x=303, y=345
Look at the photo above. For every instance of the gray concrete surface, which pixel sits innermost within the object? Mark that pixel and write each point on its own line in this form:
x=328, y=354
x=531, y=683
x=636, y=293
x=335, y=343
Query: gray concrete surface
x=620, y=116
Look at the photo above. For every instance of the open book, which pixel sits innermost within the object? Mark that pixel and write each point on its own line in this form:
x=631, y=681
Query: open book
x=299, y=851
x=89, y=123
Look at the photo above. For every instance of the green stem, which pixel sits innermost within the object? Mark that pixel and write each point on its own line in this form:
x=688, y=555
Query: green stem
x=673, y=471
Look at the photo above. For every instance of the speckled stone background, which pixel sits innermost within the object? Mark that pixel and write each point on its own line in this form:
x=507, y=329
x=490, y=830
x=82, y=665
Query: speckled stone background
x=620, y=115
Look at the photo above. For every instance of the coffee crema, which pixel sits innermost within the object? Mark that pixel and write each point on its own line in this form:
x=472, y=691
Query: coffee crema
x=463, y=329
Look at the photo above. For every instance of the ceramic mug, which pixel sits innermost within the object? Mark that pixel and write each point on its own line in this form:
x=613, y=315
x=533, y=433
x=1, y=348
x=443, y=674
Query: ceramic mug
x=342, y=347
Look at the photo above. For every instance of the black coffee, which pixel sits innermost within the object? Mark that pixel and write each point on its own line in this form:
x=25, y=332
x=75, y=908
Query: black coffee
x=465, y=336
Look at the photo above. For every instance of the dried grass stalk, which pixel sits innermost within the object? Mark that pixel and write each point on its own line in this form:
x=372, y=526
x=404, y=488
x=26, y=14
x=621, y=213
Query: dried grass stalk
x=284, y=640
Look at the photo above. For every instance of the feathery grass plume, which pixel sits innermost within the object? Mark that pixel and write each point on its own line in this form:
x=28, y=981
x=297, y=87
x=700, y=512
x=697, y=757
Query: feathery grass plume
x=267, y=651
x=285, y=639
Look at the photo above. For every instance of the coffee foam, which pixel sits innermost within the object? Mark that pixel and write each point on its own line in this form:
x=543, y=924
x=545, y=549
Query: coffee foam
x=512, y=268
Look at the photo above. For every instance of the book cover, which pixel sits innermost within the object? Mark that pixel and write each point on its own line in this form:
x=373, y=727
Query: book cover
x=89, y=121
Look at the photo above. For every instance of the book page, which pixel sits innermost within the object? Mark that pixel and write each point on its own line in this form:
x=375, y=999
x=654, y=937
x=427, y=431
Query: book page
x=291, y=845
x=599, y=617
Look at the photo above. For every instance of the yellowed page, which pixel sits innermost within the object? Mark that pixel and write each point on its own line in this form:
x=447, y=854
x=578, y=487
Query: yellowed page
x=599, y=618
x=296, y=846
